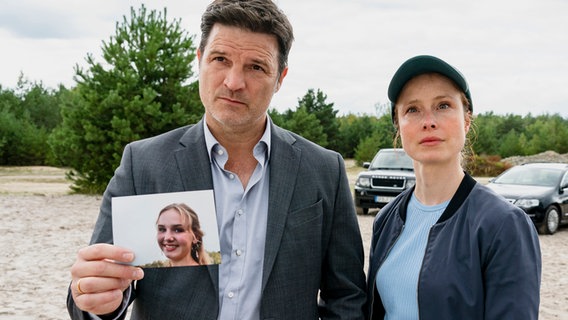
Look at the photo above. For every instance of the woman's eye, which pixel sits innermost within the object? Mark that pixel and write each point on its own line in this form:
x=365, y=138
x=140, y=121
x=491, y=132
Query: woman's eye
x=411, y=110
x=179, y=230
x=443, y=106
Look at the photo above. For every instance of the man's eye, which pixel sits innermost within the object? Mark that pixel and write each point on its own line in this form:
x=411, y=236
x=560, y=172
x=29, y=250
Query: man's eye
x=220, y=59
x=443, y=106
x=257, y=68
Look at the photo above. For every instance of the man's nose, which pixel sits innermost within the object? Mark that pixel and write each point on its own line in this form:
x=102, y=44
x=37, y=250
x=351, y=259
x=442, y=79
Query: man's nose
x=235, y=79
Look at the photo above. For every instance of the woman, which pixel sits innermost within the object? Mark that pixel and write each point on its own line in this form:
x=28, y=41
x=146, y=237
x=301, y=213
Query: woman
x=449, y=248
x=180, y=236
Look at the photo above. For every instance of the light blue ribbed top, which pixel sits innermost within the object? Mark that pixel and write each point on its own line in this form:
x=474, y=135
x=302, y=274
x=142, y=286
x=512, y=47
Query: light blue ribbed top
x=397, y=278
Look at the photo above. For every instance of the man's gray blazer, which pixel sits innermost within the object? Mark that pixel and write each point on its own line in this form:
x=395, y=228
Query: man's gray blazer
x=312, y=239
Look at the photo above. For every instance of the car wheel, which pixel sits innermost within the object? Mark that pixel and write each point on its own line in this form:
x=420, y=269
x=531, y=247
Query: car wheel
x=363, y=211
x=551, y=221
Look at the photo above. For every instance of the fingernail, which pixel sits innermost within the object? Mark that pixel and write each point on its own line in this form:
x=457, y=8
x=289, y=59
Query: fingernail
x=138, y=274
x=128, y=256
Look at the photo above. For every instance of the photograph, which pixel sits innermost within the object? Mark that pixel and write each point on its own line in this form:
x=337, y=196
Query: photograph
x=168, y=229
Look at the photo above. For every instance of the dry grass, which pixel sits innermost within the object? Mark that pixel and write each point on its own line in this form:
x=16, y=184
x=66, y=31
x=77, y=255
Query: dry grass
x=33, y=180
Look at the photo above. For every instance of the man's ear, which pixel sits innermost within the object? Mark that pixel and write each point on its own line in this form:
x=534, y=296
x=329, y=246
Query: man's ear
x=280, y=79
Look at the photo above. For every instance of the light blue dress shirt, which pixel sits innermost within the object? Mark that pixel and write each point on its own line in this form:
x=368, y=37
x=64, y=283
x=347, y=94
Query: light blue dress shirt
x=242, y=219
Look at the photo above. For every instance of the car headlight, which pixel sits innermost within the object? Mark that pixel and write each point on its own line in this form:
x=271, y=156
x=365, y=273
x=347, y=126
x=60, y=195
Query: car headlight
x=527, y=203
x=364, y=182
x=410, y=183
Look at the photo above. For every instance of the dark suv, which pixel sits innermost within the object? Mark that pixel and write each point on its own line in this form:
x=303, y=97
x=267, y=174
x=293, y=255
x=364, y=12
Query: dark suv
x=390, y=173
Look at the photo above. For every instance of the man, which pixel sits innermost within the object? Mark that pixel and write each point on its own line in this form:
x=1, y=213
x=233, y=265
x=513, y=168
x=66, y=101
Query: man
x=288, y=229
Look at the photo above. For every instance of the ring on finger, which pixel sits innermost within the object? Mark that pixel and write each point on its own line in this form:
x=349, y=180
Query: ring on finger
x=79, y=286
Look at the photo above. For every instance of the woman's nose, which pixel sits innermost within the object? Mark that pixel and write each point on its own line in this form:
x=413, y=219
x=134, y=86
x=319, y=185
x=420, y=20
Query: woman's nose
x=429, y=121
x=168, y=236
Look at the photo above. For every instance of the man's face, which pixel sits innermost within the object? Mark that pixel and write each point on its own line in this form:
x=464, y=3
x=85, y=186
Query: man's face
x=238, y=75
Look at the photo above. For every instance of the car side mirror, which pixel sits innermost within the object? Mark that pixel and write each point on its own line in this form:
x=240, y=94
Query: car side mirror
x=366, y=165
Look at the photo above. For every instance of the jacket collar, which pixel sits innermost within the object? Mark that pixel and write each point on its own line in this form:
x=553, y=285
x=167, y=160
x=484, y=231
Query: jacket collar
x=193, y=160
x=284, y=163
x=456, y=202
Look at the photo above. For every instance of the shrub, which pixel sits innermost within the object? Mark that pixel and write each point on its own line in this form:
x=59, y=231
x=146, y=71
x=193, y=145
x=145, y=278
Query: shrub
x=487, y=166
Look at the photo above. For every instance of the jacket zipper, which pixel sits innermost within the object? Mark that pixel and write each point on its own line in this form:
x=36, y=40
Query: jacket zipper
x=420, y=273
x=379, y=268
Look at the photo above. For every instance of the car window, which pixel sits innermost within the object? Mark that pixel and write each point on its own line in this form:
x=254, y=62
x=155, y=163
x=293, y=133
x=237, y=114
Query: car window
x=392, y=160
x=565, y=179
x=546, y=177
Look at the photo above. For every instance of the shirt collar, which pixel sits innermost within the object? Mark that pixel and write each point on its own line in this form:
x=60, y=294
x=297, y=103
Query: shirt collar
x=211, y=141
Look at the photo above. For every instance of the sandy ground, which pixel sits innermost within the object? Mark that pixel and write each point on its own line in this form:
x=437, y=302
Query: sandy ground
x=42, y=227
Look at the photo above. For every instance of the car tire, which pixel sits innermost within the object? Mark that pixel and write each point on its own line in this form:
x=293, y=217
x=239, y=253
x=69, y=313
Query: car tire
x=362, y=211
x=551, y=221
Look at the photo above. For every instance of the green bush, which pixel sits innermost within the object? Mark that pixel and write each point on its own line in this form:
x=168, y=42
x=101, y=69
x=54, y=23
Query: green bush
x=366, y=150
x=487, y=166
x=22, y=143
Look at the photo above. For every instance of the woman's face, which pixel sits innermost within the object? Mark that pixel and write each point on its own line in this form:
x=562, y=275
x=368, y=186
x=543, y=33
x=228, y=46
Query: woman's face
x=174, y=237
x=431, y=118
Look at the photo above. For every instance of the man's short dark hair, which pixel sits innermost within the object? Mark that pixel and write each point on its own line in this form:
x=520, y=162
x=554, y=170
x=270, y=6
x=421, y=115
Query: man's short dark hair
x=262, y=16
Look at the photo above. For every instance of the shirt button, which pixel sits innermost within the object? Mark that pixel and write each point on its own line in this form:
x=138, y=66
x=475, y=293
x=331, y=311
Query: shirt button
x=240, y=212
x=230, y=295
x=220, y=152
x=238, y=252
x=231, y=176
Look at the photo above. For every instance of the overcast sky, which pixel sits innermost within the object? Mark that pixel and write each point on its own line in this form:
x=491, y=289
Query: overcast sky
x=514, y=54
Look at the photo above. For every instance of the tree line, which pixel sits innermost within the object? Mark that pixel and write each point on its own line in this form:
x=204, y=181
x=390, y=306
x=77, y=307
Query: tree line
x=145, y=86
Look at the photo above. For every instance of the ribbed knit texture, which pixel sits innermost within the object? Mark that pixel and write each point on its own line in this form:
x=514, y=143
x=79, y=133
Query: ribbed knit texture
x=397, y=278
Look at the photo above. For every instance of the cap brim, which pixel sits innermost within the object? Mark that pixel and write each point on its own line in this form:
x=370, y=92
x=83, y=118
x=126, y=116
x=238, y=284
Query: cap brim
x=425, y=64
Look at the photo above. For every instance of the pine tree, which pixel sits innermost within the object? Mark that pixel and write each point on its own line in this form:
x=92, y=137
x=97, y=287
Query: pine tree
x=142, y=89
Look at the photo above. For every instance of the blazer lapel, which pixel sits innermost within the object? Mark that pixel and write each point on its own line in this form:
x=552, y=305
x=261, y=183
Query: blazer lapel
x=193, y=160
x=195, y=171
x=284, y=163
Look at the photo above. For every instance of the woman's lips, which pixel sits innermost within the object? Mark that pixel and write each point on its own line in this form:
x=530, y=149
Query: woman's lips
x=170, y=247
x=430, y=140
